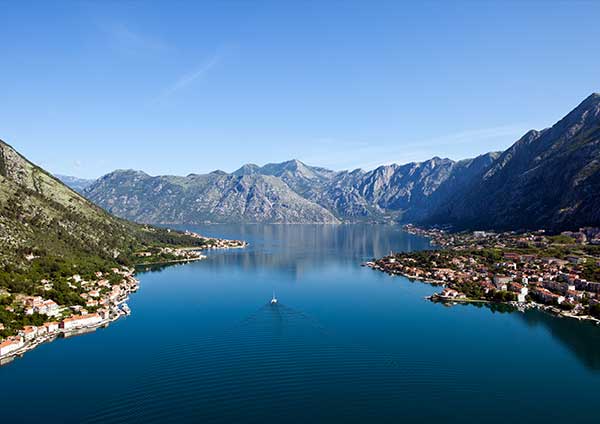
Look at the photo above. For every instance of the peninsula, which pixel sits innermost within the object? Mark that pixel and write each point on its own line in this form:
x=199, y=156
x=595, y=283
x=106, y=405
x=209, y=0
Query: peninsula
x=558, y=273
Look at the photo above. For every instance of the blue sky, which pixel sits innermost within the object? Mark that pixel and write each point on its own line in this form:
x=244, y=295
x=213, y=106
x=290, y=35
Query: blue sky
x=181, y=87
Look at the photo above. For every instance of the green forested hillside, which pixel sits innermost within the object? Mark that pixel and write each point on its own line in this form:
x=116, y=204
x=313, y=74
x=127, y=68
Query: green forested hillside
x=49, y=231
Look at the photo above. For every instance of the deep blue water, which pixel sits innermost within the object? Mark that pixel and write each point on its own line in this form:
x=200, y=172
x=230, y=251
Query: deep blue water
x=345, y=344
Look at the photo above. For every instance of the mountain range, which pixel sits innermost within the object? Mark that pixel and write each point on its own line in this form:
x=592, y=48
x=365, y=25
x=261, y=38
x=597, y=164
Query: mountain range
x=288, y=192
x=547, y=179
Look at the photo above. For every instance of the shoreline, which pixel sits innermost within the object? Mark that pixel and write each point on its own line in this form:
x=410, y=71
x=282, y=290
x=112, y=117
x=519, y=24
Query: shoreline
x=191, y=259
x=60, y=334
x=166, y=262
x=559, y=274
x=116, y=310
x=435, y=298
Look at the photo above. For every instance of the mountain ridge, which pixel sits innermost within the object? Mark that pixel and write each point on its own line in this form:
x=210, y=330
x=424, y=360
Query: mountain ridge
x=468, y=193
x=540, y=179
x=215, y=197
x=312, y=194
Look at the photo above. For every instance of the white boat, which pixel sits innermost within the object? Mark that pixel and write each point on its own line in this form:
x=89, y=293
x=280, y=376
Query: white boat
x=273, y=299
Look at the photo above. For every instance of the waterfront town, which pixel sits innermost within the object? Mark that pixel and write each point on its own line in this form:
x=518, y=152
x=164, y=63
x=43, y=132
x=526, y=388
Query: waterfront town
x=100, y=299
x=557, y=273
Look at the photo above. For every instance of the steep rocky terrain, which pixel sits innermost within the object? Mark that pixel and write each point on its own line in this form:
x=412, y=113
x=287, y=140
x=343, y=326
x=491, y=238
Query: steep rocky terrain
x=547, y=179
x=288, y=192
x=215, y=197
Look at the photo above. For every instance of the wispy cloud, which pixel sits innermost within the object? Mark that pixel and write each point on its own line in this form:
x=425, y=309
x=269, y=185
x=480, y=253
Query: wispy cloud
x=472, y=136
x=187, y=79
x=125, y=39
x=339, y=154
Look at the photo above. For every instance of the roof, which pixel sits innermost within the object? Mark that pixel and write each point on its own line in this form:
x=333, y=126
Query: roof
x=8, y=342
x=81, y=317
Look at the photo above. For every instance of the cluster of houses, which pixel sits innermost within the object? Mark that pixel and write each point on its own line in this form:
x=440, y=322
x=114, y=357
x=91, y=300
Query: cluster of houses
x=184, y=254
x=192, y=254
x=451, y=294
x=103, y=302
x=526, y=276
x=226, y=244
x=215, y=243
x=37, y=304
x=440, y=237
x=181, y=255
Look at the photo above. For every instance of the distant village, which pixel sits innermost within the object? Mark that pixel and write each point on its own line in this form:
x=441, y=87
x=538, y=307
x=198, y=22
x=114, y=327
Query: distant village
x=104, y=300
x=559, y=273
x=163, y=255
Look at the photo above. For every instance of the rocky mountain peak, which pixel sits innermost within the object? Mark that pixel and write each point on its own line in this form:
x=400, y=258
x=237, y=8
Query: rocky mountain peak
x=247, y=169
x=293, y=166
x=554, y=171
x=129, y=172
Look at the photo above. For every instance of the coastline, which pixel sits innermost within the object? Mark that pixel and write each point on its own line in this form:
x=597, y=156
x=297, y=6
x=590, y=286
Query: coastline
x=117, y=309
x=172, y=261
x=519, y=306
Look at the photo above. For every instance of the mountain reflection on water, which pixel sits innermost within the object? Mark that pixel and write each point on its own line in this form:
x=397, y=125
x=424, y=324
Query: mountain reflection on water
x=344, y=344
x=580, y=337
x=295, y=248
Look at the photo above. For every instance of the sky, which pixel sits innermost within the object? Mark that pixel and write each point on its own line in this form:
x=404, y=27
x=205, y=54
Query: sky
x=179, y=87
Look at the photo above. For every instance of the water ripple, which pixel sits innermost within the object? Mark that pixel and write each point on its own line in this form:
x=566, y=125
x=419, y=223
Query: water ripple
x=276, y=362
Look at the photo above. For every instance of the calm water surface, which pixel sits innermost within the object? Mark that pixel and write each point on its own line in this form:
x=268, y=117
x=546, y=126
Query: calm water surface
x=345, y=344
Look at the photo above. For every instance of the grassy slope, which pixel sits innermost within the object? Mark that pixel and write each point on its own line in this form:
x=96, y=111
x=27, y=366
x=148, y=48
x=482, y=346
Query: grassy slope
x=40, y=215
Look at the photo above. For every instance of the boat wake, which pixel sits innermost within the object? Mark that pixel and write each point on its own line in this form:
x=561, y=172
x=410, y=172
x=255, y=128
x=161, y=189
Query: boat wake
x=276, y=362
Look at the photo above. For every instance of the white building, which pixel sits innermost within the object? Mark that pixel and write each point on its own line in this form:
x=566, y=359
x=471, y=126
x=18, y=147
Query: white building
x=10, y=345
x=80, y=321
x=51, y=327
x=48, y=307
x=29, y=332
x=501, y=281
